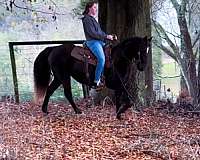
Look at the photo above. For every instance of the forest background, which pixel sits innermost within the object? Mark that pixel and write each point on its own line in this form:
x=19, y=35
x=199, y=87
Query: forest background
x=60, y=20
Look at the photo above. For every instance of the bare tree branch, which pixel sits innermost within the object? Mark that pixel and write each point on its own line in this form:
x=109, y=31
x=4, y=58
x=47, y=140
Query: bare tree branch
x=165, y=49
x=196, y=39
x=162, y=32
x=176, y=5
x=31, y=9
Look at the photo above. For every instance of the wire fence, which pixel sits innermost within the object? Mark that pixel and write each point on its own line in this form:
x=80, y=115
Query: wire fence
x=164, y=89
x=24, y=59
x=6, y=85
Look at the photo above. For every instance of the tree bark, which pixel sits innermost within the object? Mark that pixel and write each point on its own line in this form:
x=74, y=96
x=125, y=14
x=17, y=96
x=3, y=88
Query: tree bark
x=189, y=58
x=127, y=19
x=183, y=84
x=198, y=98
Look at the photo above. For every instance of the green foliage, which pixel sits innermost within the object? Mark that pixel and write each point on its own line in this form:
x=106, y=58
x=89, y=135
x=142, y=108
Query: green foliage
x=170, y=69
x=79, y=10
x=35, y=13
x=76, y=89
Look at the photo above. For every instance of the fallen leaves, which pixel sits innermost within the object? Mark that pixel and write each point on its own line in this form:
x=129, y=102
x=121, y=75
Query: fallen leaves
x=96, y=134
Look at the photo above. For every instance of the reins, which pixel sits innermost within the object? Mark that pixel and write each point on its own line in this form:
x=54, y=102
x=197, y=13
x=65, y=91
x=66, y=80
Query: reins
x=130, y=97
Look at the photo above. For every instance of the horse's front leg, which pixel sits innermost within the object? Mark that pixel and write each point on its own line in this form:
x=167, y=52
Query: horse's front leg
x=123, y=108
x=118, y=94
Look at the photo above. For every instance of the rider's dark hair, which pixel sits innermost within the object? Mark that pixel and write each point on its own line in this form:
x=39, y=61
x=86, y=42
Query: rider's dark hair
x=88, y=6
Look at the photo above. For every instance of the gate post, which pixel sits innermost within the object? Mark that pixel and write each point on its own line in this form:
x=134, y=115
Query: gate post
x=85, y=91
x=14, y=73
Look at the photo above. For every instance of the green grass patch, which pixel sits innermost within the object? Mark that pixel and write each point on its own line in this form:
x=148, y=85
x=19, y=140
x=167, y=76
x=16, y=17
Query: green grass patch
x=170, y=69
x=169, y=79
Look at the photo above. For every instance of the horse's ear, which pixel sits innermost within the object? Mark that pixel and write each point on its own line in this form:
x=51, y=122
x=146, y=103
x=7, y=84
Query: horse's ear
x=149, y=41
x=145, y=38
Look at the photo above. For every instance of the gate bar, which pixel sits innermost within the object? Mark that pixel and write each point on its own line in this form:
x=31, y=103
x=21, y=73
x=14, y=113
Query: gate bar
x=13, y=63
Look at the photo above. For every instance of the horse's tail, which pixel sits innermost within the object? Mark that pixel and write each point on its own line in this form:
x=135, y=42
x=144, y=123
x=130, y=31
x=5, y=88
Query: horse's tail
x=41, y=71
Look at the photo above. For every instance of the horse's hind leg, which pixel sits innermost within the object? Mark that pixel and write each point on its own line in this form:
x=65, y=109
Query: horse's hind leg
x=68, y=94
x=52, y=87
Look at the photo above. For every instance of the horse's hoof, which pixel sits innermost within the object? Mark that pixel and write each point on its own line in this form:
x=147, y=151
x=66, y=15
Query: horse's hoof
x=122, y=109
x=117, y=111
x=45, y=113
x=118, y=116
x=136, y=110
x=78, y=111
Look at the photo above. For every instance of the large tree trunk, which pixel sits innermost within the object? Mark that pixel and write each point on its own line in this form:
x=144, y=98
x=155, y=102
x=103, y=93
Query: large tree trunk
x=198, y=88
x=127, y=19
x=189, y=59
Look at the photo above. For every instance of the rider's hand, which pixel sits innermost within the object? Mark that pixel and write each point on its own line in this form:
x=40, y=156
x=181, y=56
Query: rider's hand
x=114, y=37
x=110, y=37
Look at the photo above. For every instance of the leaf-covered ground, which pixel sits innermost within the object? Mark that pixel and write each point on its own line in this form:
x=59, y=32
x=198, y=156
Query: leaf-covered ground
x=25, y=133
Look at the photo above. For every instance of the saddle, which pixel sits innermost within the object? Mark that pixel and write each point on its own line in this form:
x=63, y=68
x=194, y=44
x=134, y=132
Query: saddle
x=85, y=55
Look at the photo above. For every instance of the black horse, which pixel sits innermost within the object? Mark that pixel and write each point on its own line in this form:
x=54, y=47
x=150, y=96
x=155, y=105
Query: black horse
x=58, y=61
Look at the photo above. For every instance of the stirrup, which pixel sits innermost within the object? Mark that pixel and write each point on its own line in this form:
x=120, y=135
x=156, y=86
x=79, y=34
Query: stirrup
x=98, y=86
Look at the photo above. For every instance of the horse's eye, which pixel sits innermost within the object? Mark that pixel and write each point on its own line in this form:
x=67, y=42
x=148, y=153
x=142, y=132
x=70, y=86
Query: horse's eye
x=143, y=50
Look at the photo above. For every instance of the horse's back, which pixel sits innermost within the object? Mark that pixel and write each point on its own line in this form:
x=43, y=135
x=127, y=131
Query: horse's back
x=60, y=53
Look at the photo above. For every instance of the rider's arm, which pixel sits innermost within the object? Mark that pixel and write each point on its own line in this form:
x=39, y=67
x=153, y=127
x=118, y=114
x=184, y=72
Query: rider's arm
x=92, y=29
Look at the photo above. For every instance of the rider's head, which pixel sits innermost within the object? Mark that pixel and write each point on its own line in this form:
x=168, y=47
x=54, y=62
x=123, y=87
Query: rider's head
x=90, y=8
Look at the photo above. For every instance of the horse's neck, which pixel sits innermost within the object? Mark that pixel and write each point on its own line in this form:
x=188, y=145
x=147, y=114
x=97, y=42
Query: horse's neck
x=121, y=62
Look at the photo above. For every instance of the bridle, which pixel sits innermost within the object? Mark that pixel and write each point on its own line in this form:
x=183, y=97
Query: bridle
x=134, y=59
x=130, y=97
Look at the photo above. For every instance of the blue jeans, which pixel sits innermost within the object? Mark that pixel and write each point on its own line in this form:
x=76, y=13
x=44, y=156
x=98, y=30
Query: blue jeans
x=96, y=46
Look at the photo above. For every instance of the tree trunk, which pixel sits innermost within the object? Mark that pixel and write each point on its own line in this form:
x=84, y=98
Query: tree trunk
x=149, y=70
x=189, y=58
x=127, y=19
x=198, y=88
x=183, y=83
x=188, y=62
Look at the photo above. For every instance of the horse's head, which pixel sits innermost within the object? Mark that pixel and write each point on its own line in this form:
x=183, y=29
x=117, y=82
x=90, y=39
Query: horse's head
x=142, y=53
x=137, y=48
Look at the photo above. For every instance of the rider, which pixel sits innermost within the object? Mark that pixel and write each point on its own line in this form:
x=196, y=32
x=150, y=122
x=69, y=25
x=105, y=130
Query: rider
x=95, y=39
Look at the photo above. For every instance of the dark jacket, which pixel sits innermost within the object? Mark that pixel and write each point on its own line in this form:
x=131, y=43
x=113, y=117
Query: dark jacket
x=92, y=29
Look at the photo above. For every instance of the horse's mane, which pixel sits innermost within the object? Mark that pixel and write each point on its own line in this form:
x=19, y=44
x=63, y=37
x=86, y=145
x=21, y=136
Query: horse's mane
x=128, y=41
x=118, y=50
